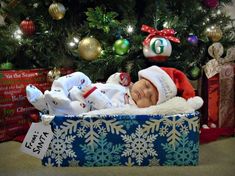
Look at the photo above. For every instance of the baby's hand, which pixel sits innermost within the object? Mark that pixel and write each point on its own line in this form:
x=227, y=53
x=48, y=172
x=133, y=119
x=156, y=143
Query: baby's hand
x=125, y=79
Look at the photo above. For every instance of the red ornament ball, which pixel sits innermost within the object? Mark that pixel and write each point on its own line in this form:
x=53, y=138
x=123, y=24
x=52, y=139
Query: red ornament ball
x=34, y=117
x=27, y=27
x=211, y=3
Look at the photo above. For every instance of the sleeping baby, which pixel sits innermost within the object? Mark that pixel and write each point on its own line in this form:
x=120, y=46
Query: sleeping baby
x=74, y=94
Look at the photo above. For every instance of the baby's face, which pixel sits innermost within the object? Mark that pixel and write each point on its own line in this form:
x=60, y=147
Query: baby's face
x=144, y=93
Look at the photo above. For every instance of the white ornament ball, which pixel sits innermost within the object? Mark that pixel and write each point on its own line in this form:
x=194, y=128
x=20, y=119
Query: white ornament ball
x=158, y=50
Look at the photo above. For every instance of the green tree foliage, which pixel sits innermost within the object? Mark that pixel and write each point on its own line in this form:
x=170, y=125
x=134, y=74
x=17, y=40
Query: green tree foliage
x=108, y=21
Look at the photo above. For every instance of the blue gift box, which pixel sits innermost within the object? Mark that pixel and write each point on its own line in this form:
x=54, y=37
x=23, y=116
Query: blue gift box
x=124, y=140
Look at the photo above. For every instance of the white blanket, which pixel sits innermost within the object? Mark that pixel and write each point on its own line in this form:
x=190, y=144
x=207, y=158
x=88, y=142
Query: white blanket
x=175, y=105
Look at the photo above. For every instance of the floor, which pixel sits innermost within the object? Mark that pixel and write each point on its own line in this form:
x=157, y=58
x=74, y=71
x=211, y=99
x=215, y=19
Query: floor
x=216, y=159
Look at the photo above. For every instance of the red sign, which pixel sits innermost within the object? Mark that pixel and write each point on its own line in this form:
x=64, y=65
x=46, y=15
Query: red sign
x=16, y=113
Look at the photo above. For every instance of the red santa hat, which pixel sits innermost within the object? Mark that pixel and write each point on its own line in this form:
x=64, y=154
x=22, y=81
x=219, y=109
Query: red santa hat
x=169, y=83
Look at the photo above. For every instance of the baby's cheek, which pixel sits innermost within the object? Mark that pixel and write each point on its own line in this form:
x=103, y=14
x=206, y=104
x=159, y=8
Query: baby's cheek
x=143, y=103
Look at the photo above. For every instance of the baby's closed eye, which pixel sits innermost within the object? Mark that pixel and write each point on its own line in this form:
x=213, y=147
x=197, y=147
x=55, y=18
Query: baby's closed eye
x=147, y=84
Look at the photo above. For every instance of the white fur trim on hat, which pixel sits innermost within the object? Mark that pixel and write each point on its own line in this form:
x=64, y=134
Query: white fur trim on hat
x=195, y=102
x=161, y=80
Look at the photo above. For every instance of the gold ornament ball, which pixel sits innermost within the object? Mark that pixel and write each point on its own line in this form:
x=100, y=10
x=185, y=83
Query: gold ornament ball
x=89, y=48
x=214, y=33
x=53, y=74
x=57, y=10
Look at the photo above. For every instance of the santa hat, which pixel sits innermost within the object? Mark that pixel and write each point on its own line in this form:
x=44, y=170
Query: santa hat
x=169, y=83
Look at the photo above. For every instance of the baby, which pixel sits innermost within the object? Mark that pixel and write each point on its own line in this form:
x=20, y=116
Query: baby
x=74, y=93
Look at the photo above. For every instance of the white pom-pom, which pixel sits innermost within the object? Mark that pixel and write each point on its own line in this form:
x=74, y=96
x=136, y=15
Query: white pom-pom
x=205, y=126
x=195, y=102
x=212, y=125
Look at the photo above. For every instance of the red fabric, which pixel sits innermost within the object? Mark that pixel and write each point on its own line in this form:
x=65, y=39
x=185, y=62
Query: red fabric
x=213, y=97
x=184, y=87
x=219, y=104
x=212, y=134
x=19, y=138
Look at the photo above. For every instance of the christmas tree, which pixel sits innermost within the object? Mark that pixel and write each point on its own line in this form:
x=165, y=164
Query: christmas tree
x=103, y=37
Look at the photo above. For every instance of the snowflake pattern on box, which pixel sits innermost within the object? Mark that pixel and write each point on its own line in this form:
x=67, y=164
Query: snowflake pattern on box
x=60, y=147
x=136, y=140
x=184, y=153
x=104, y=154
x=139, y=145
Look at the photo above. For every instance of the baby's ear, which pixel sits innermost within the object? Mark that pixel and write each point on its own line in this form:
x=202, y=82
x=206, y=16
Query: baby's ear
x=195, y=102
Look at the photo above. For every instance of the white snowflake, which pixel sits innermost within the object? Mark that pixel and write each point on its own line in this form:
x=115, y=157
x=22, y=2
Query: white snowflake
x=154, y=162
x=184, y=129
x=49, y=163
x=81, y=132
x=129, y=163
x=61, y=147
x=91, y=128
x=73, y=163
x=173, y=126
x=102, y=131
x=139, y=145
x=163, y=131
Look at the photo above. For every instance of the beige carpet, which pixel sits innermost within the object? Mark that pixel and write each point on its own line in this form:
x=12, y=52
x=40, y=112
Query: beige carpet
x=216, y=159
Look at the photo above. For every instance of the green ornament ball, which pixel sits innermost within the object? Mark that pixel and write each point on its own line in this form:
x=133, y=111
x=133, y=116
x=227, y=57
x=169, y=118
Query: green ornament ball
x=6, y=66
x=194, y=73
x=121, y=46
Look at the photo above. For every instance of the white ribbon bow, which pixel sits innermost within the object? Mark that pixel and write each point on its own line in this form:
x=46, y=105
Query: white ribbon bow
x=214, y=66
